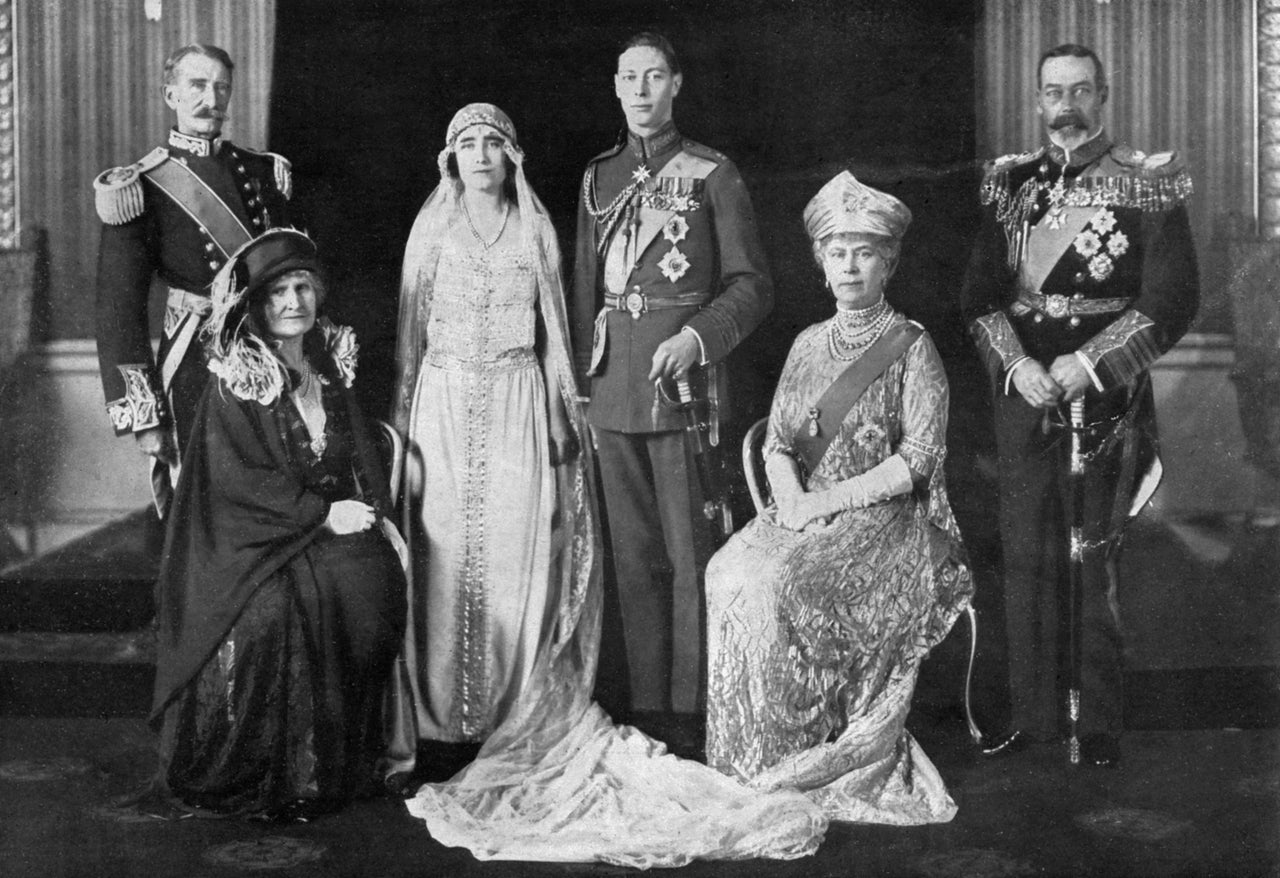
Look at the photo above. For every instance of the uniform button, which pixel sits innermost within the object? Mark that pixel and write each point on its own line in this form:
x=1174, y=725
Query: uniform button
x=257, y=221
x=246, y=187
x=240, y=168
x=1079, y=277
x=208, y=247
x=253, y=202
x=1078, y=296
x=213, y=264
x=636, y=288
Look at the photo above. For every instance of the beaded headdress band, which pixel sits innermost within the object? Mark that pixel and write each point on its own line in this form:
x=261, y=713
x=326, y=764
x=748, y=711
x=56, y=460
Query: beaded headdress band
x=479, y=114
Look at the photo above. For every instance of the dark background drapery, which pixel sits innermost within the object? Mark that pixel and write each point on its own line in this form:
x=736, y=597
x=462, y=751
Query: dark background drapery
x=791, y=91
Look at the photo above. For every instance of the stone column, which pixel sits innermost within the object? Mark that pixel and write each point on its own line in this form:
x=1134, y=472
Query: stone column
x=1269, y=119
x=1255, y=275
x=8, y=129
x=17, y=266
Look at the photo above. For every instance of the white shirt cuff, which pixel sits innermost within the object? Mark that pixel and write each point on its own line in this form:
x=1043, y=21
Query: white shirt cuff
x=1088, y=367
x=1008, y=373
x=702, y=349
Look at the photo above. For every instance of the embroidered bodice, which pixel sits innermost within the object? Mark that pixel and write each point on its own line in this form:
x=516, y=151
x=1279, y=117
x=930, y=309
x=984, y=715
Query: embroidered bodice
x=482, y=309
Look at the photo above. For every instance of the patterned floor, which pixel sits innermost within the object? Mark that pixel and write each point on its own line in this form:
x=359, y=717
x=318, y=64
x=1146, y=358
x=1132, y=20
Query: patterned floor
x=1198, y=792
x=1184, y=803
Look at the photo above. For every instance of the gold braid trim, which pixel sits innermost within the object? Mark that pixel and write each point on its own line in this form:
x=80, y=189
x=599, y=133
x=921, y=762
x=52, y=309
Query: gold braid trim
x=117, y=192
x=1147, y=193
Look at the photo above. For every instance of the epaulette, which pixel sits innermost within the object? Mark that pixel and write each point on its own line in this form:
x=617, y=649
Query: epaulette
x=117, y=192
x=703, y=152
x=1156, y=182
x=995, y=173
x=1160, y=164
x=282, y=166
x=1012, y=160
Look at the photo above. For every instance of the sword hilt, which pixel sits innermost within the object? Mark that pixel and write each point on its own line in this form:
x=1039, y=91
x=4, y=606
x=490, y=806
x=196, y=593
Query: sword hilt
x=683, y=390
x=1077, y=436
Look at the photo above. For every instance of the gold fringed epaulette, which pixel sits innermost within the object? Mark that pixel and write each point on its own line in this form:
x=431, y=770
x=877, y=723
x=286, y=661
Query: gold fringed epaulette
x=995, y=173
x=1159, y=164
x=117, y=192
x=1150, y=182
x=284, y=175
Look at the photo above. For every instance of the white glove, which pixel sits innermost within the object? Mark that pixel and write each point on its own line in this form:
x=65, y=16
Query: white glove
x=783, y=473
x=889, y=478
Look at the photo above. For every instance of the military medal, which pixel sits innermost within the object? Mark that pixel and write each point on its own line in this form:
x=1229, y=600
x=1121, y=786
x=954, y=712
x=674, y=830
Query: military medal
x=1057, y=203
x=813, y=421
x=675, y=229
x=673, y=265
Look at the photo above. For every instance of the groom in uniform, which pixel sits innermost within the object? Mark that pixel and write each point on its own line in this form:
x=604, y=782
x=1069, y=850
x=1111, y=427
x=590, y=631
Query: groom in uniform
x=670, y=277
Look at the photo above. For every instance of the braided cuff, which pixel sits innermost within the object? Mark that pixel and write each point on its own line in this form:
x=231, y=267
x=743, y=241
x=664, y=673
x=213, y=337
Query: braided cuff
x=141, y=408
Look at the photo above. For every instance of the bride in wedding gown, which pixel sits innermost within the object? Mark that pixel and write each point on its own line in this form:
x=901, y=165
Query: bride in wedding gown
x=555, y=779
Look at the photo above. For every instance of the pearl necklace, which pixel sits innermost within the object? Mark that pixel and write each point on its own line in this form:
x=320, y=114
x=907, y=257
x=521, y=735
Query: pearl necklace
x=506, y=212
x=852, y=331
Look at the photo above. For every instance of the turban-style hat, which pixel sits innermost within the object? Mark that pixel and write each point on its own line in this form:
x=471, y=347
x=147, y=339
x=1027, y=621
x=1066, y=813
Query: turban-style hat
x=844, y=205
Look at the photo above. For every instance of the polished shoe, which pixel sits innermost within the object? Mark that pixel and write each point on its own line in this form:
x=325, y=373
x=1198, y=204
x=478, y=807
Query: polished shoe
x=1006, y=743
x=1100, y=750
x=401, y=784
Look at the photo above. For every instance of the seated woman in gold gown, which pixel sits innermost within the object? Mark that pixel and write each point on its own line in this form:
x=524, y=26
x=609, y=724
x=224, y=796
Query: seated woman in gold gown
x=822, y=608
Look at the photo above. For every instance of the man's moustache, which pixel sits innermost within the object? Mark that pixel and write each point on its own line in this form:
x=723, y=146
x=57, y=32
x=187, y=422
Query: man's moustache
x=1068, y=120
x=209, y=114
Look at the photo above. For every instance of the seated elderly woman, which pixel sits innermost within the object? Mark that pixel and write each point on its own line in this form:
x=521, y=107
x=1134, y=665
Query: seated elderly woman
x=822, y=608
x=281, y=595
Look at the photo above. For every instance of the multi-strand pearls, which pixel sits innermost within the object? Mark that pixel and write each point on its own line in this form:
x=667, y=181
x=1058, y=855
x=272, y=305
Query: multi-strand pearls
x=853, y=330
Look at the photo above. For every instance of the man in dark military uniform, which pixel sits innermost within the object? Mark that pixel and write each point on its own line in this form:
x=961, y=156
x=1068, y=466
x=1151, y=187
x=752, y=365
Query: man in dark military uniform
x=177, y=214
x=670, y=277
x=1082, y=276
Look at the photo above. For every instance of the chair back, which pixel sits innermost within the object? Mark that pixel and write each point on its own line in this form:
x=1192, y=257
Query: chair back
x=753, y=465
x=391, y=447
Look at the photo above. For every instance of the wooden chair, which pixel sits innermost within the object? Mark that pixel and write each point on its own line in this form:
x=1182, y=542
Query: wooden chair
x=391, y=446
x=761, y=496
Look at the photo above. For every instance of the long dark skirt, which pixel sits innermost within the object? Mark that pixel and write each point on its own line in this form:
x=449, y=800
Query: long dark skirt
x=286, y=716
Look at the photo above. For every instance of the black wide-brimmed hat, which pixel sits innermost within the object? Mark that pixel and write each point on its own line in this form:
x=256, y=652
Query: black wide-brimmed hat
x=250, y=268
x=244, y=361
x=273, y=253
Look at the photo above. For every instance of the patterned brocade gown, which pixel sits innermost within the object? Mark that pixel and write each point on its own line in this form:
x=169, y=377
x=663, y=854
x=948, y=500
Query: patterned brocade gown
x=479, y=421
x=815, y=637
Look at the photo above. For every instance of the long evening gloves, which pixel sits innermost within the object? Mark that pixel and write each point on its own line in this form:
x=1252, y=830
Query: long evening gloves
x=797, y=507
